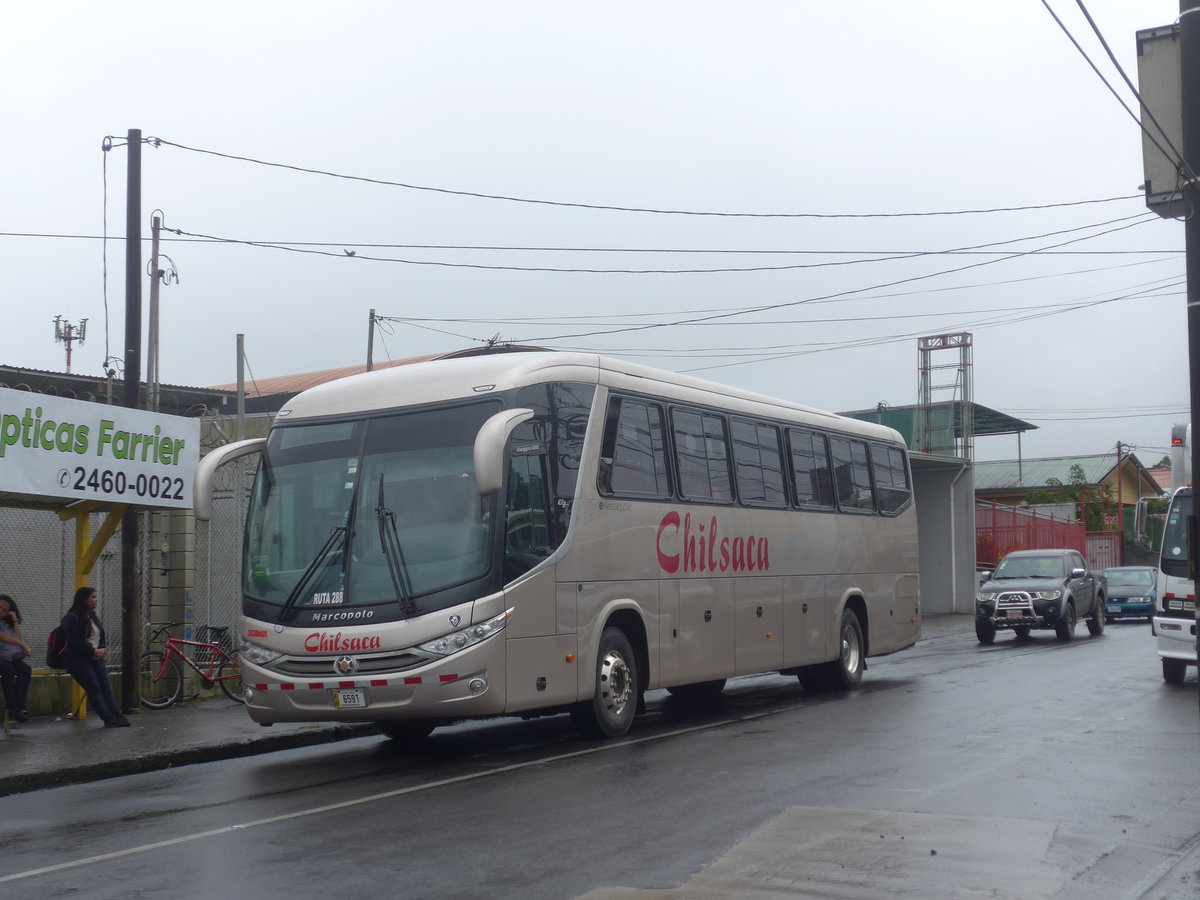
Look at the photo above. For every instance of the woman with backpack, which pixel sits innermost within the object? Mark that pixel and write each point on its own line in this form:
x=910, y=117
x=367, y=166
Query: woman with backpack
x=15, y=673
x=84, y=657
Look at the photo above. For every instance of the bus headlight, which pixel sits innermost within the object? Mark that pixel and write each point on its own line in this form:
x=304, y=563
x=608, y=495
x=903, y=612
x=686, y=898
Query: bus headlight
x=260, y=656
x=467, y=637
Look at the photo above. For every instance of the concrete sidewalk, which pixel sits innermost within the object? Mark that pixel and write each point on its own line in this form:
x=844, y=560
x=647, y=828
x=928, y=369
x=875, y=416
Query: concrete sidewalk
x=49, y=751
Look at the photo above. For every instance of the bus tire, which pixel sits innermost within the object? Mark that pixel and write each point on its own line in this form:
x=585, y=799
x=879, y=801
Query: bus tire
x=985, y=631
x=1065, y=629
x=1174, y=670
x=846, y=671
x=406, y=729
x=610, y=711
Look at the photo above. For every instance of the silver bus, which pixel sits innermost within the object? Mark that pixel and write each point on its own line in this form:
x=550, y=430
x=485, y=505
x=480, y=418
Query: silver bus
x=532, y=531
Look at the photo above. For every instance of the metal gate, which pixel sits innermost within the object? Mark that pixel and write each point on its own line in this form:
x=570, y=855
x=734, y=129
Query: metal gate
x=1103, y=549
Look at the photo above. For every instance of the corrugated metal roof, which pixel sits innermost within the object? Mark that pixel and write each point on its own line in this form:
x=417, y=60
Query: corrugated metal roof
x=984, y=420
x=1013, y=474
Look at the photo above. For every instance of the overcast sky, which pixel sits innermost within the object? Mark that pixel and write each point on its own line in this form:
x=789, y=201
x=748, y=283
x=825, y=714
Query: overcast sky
x=843, y=112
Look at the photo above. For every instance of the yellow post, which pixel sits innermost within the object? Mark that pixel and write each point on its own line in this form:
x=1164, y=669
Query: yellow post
x=87, y=551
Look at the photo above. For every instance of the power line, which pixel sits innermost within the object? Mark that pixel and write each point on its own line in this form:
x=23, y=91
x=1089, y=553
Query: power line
x=348, y=254
x=859, y=343
x=1178, y=161
x=637, y=209
x=1073, y=304
x=1177, y=412
x=547, y=249
x=773, y=306
x=1175, y=160
x=549, y=321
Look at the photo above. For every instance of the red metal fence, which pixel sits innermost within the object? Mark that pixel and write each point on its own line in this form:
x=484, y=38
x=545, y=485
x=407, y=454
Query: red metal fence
x=999, y=530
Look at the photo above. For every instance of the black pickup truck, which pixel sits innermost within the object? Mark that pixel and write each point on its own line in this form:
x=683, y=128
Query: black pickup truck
x=1040, y=589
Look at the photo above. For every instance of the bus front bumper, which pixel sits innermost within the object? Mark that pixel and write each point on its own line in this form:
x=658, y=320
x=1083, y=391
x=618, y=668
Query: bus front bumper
x=465, y=685
x=1176, y=638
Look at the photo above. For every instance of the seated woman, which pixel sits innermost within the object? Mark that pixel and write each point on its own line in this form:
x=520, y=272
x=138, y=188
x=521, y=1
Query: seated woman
x=15, y=673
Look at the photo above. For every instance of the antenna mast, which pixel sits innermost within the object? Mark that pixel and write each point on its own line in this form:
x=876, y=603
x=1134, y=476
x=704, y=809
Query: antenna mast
x=66, y=333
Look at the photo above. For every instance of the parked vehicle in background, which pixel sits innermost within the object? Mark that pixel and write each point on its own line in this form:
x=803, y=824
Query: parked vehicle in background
x=1131, y=592
x=1040, y=589
x=1174, y=621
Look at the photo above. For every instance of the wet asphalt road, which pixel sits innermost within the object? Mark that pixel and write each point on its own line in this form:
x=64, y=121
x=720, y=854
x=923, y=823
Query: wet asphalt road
x=1024, y=769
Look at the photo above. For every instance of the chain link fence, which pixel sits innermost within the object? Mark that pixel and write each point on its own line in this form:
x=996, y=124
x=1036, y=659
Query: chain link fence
x=37, y=569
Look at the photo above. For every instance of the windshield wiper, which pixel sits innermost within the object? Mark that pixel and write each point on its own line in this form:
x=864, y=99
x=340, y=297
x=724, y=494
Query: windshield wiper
x=336, y=536
x=389, y=540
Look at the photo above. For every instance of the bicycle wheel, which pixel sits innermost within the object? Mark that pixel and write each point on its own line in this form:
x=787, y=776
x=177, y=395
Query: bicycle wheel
x=229, y=676
x=159, y=679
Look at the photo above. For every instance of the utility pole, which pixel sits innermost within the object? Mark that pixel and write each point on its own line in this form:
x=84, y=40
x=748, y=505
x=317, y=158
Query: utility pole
x=1189, y=85
x=66, y=333
x=152, y=355
x=130, y=592
x=370, y=340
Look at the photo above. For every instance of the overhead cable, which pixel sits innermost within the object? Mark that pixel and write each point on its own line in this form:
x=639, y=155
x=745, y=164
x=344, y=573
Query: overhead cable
x=348, y=254
x=614, y=208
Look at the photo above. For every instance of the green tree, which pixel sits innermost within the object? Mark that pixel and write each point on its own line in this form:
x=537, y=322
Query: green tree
x=1090, y=500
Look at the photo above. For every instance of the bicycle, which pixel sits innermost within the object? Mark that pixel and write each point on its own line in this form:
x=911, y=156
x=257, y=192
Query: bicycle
x=161, y=677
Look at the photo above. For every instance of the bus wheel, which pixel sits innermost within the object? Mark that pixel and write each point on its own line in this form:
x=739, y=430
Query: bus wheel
x=846, y=671
x=1174, y=670
x=1065, y=629
x=610, y=711
x=985, y=631
x=406, y=729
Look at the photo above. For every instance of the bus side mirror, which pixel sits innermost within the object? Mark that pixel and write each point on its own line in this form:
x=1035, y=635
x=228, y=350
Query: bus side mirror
x=489, y=449
x=207, y=470
x=1139, y=523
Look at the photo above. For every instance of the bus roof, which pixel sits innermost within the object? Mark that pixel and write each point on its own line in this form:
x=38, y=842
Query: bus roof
x=463, y=377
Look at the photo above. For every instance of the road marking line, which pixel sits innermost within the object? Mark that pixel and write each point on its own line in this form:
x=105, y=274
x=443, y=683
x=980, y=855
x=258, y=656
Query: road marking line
x=386, y=795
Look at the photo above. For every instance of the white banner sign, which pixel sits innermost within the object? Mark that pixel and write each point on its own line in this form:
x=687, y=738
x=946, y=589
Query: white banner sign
x=55, y=447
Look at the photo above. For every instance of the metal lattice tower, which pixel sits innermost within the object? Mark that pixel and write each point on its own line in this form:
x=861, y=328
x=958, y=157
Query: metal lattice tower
x=945, y=428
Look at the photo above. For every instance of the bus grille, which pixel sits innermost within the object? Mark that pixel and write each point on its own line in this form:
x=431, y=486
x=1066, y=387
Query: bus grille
x=319, y=667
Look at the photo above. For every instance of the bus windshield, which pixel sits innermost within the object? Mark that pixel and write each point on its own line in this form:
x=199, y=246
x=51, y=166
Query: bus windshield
x=379, y=510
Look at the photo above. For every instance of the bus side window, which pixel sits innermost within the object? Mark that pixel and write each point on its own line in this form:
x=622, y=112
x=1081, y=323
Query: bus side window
x=633, y=457
x=810, y=468
x=702, y=456
x=758, y=463
x=852, y=474
x=891, y=477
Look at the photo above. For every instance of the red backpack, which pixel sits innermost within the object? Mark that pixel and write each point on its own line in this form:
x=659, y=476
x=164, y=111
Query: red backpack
x=55, y=645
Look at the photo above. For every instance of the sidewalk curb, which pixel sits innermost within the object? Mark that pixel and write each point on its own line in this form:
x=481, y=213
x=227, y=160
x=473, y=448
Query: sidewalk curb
x=167, y=759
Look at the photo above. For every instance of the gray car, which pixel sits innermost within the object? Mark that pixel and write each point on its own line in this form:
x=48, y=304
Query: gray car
x=1031, y=589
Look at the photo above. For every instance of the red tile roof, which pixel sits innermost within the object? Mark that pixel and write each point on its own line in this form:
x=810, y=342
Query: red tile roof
x=294, y=384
